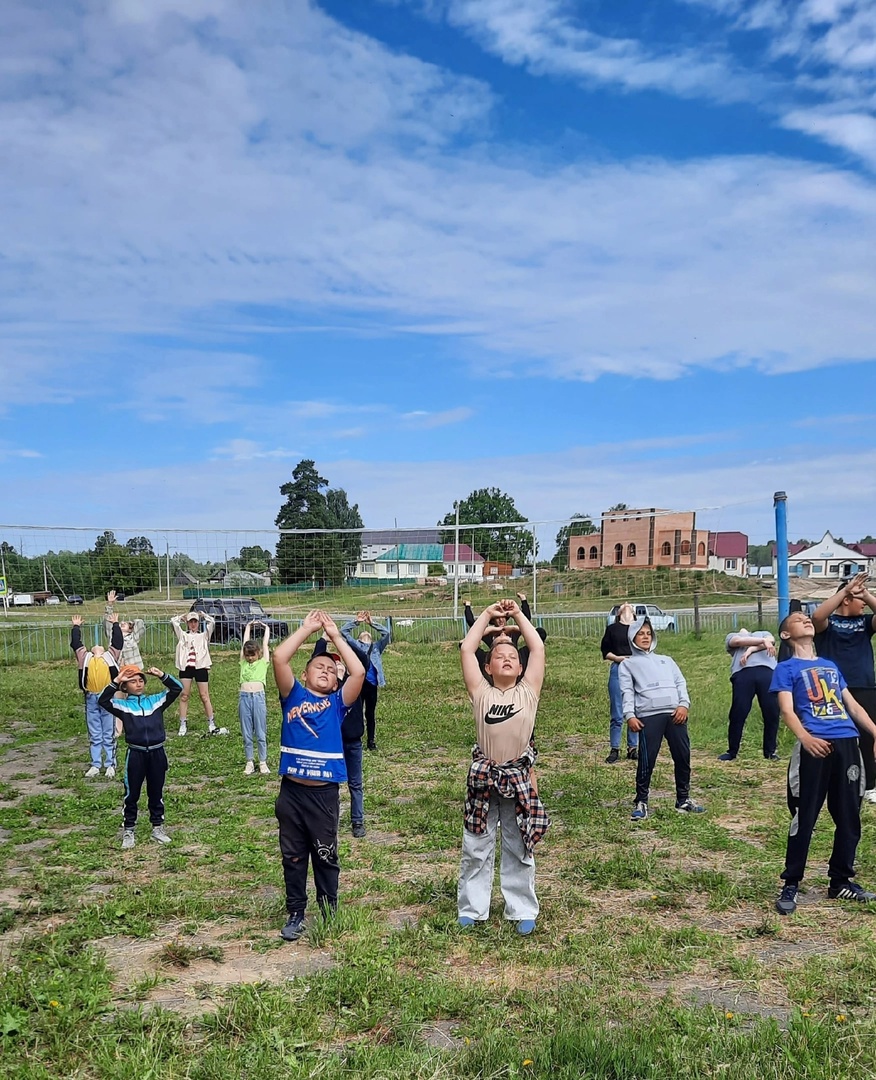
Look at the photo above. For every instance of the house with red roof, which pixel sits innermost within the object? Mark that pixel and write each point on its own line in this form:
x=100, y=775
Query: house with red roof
x=728, y=553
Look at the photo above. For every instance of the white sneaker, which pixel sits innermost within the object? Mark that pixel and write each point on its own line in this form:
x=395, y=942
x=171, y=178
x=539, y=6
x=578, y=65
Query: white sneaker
x=128, y=839
x=159, y=833
x=869, y=796
x=182, y=727
x=110, y=772
x=248, y=769
x=211, y=725
x=263, y=768
x=93, y=771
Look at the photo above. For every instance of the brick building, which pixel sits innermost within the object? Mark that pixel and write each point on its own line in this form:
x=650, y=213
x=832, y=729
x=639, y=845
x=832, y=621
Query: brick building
x=643, y=539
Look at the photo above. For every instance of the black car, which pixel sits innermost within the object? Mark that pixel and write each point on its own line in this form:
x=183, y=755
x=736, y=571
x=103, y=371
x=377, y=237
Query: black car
x=233, y=613
x=75, y=600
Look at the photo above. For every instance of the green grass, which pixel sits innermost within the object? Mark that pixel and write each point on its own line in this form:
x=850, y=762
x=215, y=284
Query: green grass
x=657, y=953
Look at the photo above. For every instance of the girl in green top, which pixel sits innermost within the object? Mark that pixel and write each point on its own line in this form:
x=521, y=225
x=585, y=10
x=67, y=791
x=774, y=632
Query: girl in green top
x=252, y=708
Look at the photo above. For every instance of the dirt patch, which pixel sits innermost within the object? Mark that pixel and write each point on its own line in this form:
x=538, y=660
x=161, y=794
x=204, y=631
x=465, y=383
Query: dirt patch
x=724, y=997
x=197, y=988
x=24, y=769
x=442, y=1036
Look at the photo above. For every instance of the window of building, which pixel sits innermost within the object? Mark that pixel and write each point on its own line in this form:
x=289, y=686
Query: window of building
x=369, y=568
x=631, y=551
x=685, y=547
x=413, y=569
x=618, y=554
x=594, y=552
x=834, y=568
x=666, y=548
x=469, y=568
x=701, y=548
x=729, y=564
x=580, y=554
x=392, y=568
x=816, y=569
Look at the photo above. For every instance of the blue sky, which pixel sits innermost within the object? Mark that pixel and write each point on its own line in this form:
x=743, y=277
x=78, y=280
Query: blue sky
x=587, y=252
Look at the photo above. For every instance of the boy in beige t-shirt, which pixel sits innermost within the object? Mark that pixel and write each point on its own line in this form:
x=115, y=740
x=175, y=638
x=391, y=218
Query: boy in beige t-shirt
x=501, y=790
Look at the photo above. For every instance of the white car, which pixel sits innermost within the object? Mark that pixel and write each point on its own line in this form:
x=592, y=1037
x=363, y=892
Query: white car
x=657, y=617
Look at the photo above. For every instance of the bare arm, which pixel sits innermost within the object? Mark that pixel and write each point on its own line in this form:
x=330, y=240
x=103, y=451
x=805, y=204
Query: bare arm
x=534, y=676
x=824, y=610
x=749, y=641
x=812, y=745
x=266, y=652
x=284, y=652
x=471, y=669
x=614, y=658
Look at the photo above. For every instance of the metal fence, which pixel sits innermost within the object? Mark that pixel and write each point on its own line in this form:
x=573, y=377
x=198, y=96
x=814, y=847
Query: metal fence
x=46, y=640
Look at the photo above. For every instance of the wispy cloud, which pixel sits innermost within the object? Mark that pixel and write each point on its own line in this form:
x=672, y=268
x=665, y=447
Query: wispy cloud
x=423, y=419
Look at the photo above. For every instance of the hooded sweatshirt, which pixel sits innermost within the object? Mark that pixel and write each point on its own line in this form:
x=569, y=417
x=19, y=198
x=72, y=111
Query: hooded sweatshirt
x=649, y=683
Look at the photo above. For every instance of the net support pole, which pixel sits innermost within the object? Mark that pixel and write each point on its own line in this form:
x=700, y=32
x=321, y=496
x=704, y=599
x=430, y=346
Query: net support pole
x=456, y=567
x=780, y=505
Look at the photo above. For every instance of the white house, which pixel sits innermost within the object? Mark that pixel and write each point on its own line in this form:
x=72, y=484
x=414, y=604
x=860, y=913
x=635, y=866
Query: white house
x=825, y=560
x=728, y=553
x=406, y=562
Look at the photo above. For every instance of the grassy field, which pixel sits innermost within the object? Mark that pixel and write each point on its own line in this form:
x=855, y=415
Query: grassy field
x=657, y=953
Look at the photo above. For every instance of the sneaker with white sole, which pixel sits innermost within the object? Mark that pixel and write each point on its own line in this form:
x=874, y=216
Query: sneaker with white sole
x=93, y=771
x=110, y=772
x=850, y=890
x=211, y=725
x=870, y=795
x=182, y=727
x=128, y=839
x=640, y=811
x=688, y=806
x=263, y=768
x=294, y=927
x=159, y=833
x=248, y=769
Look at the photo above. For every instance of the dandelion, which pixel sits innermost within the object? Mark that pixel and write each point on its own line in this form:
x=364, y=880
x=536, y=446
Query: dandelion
x=55, y=1004
x=527, y=1061
x=840, y=1018
x=728, y=1015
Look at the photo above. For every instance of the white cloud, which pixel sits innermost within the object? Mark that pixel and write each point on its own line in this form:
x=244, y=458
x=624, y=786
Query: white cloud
x=855, y=132
x=178, y=177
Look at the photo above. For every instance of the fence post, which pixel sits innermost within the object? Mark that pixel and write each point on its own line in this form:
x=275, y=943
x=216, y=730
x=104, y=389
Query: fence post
x=696, y=599
x=759, y=606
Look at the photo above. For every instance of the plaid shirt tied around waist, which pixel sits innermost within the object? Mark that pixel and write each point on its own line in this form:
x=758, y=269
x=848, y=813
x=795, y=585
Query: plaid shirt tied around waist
x=510, y=781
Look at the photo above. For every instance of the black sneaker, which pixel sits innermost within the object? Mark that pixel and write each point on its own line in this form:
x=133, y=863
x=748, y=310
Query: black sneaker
x=613, y=756
x=786, y=904
x=294, y=927
x=850, y=890
x=688, y=806
x=371, y=746
x=632, y=753
x=727, y=757
x=772, y=757
x=358, y=829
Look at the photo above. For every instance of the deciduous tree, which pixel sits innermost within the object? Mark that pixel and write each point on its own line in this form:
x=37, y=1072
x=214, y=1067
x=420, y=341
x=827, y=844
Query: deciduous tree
x=493, y=507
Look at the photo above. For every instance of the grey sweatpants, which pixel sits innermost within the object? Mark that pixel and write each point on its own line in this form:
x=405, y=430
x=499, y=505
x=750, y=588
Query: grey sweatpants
x=516, y=869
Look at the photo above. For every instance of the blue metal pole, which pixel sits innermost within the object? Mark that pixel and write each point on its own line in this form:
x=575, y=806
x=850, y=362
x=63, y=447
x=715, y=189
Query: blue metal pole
x=780, y=505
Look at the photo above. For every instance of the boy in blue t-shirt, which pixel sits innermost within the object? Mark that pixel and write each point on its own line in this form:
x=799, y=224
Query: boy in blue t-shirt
x=312, y=766
x=826, y=762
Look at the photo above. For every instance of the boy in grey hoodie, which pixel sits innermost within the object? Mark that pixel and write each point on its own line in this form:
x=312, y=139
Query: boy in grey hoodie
x=656, y=703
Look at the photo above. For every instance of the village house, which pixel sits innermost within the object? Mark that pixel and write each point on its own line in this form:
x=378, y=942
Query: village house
x=728, y=553
x=408, y=562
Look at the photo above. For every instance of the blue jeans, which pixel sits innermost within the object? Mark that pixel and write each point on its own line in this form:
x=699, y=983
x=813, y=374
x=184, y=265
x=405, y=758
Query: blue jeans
x=353, y=761
x=253, y=713
x=101, y=731
x=617, y=712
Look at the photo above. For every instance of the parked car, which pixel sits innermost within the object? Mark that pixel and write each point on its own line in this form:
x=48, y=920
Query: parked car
x=74, y=599
x=233, y=613
x=659, y=619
